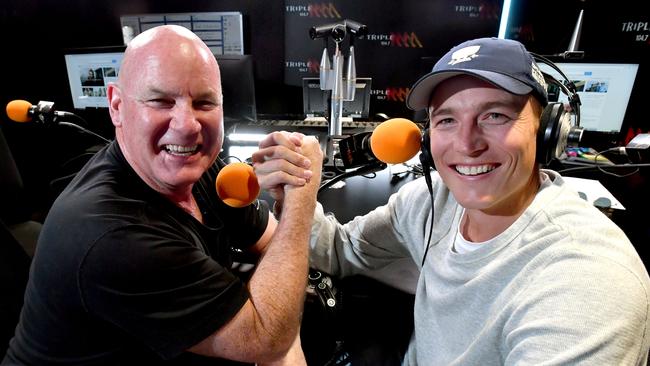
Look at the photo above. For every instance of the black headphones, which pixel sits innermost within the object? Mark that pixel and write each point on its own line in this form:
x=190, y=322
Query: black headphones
x=555, y=131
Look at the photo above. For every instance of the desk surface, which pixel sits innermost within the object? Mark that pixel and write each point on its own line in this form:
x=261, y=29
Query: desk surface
x=633, y=192
x=359, y=195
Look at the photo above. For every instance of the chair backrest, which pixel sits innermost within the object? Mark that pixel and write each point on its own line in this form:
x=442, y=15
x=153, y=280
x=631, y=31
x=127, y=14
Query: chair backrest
x=12, y=194
x=14, y=272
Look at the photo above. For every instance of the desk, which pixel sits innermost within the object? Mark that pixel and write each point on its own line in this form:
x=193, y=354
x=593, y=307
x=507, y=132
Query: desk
x=359, y=195
x=634, y=194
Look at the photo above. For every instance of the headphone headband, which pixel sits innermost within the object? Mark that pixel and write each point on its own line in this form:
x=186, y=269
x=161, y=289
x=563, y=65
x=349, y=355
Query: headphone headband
x=568, y=87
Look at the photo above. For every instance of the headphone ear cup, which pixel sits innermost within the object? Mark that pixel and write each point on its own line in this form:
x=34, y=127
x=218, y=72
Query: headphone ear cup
x=425, y=152
x=548, y=134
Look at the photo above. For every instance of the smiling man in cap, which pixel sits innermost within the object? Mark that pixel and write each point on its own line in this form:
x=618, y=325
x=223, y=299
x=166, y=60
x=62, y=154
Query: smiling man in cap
x=508, y=264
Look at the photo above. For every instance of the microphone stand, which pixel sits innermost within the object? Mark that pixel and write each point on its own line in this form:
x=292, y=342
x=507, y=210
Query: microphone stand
x=331, y=77
x=572, y=53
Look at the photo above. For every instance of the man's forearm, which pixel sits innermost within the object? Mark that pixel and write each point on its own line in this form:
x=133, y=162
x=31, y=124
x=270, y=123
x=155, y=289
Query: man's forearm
x=278, y=285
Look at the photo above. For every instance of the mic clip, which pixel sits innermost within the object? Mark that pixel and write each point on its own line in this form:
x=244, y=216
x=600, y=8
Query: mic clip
x=45, y=114
x=355, y=150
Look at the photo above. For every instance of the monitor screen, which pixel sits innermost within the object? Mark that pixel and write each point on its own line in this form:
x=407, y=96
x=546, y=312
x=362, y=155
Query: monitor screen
x=91, y=69
x=604, y=90
x=316, y=101
x=89, y=72
x=238, y=87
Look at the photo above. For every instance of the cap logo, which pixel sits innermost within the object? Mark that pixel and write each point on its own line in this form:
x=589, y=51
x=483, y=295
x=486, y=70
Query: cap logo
x=464, y=54
x=538, y=76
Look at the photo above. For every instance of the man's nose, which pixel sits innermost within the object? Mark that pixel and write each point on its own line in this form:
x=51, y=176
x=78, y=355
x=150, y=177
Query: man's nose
x=185, y=118
x=470, y=139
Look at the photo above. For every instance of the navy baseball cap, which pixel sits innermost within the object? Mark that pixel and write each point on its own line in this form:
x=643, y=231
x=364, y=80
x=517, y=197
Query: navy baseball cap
x=502, y=62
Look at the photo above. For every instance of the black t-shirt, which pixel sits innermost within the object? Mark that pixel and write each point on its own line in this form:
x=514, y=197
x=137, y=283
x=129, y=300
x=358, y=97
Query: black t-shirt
x=123, y=276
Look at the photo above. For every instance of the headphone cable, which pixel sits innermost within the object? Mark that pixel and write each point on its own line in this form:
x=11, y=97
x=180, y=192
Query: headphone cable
x=426, y=250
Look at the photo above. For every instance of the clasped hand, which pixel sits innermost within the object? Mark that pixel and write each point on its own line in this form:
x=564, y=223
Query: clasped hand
x=285, y=160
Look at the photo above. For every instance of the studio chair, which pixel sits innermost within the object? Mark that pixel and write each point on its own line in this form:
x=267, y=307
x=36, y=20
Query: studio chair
x=14, y=209
x=14, y=271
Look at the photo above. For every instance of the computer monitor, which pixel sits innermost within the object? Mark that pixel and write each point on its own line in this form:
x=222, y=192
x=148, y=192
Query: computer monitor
x=604, y=90
x=316, y=101
x=238, y=86
x=89, y=72
x=91, y=69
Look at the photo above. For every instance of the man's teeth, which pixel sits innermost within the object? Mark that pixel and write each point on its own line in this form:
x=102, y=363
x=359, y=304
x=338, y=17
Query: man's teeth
x=180, y=150
x=474, y=169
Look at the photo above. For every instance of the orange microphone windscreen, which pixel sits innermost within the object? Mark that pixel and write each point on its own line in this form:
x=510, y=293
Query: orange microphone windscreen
x=18, y=110
x=395, y=141
x=237, y=185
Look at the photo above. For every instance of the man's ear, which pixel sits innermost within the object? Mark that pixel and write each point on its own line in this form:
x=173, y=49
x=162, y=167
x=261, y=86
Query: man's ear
x=114, y=104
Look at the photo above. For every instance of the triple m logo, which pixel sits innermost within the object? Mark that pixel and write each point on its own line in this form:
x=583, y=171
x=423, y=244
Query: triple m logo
x=393, y=94
x=397, y=39
x=314, y=10
x=311, y=66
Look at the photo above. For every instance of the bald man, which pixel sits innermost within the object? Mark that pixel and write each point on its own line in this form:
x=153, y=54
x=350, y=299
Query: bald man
x=133, y=264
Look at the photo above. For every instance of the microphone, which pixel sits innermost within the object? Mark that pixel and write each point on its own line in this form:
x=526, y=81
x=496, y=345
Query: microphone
x=355, y=28
x=394, y=141
x=43, y=112
x=236, y=185
x=336, y=30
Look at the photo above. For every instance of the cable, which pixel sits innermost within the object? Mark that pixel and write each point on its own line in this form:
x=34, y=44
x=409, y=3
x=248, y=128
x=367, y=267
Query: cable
x=85, y=130
x=363, y=170
x=600, y=167
x=229, y=157
x=610, y=173
x=426, y=250
x=336, y=166
x=328, y=175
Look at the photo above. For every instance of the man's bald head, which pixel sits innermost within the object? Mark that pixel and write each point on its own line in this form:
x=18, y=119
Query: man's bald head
x=162, y=41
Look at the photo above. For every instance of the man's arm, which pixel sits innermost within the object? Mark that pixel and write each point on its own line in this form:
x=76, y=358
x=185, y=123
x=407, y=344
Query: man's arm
x=266, y=326
x=279, y=162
